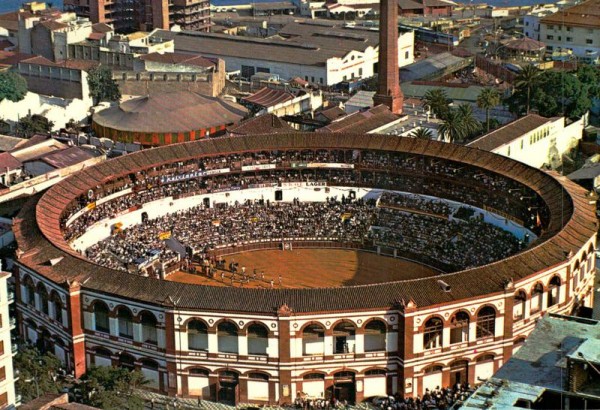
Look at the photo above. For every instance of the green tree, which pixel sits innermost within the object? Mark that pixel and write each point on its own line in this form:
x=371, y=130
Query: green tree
x=438, y=101
x=422, y=133
x=33, y=124
x=37, y=373
x=487, y=99
x=526, y=81
x=470, y=124
x=452, y=128
x=13, y=86
x=112, y=388
x=102, y=85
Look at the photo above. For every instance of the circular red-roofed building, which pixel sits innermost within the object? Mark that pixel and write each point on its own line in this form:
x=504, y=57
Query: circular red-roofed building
x=161, y=119
x=525, y=48
x=351, y=319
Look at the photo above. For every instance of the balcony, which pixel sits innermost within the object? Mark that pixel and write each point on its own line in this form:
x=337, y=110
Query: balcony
x=12, y=322
x=11, y=296
x=14, y=348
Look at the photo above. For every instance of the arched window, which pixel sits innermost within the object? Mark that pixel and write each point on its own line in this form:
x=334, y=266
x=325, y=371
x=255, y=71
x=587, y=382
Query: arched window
x=486, y=322
x=313, y=340
x=432, y=335
x=343, y=337
x=199, y=372
x=258, y=376
x=459, y=328
x=43, y=295
x=432, y=369
x=101, y=317
x=103, y=352
x=375, y=372
x=375, y=335
x=258, y=339
x=125, y=322
x=227, y=335
x=554, y=291
x=576, y=272
x=485, y=358
x=29, y=296
x=536, y=298
x=148, y=328
x=197, y=333
x=57, y=303
x=149, y=364
x=519, y=305
x=314, y=376
x=127, y=361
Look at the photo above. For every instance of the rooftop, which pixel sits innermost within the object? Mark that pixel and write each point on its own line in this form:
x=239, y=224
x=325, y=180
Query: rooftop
x=310, y=44
x=586, y=14
x=268, y=97
x=510, y=132
x=181, y=111
x=263, y=124
x=362, y=121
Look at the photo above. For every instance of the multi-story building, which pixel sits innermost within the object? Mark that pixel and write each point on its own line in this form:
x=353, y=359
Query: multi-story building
x=7, y=379
x=146, y=15
x=531, y=21
x=574, y=30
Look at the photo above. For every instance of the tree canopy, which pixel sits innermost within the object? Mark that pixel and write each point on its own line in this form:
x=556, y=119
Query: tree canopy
x=13, y=86
x=557, y=93
x=112, y=388
x=33, y=124
x=102, y=85
x=37, y=373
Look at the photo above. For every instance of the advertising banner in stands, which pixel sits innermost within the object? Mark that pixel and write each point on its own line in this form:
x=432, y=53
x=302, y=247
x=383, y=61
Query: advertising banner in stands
x=169, y=179
x=329, y=165
x=258, y=167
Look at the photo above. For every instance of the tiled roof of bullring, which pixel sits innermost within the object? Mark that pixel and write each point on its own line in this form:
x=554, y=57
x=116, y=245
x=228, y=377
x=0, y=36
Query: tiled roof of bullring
x=40, y=238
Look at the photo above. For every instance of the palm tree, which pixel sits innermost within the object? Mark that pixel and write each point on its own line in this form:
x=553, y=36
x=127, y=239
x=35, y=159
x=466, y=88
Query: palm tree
x=421, y=133
x=452, y=129
x=438, y=101
x=470, y=123
x=527, y=79
x=487, y=99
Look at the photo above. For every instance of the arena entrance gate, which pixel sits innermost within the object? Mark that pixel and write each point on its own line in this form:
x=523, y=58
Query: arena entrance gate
x=228, y=388
x=459, y=372
x=344, y=387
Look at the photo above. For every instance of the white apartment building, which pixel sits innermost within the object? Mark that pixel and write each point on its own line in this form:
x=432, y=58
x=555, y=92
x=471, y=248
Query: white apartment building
x=7, y=379
x=534, y=140
x=575, y=29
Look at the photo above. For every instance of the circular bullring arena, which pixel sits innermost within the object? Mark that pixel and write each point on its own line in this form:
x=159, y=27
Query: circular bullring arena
x=272, y=269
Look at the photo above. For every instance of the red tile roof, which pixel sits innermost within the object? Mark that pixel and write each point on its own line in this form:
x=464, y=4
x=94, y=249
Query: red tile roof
x=362, y=121
x=8, y=162
x=263, y=124
x=268, y=97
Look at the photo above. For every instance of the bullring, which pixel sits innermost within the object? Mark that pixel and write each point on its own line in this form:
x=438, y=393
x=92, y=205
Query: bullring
x=269, y=343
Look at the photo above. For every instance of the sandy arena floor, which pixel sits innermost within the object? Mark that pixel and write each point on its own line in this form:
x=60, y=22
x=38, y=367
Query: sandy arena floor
x=310, y=268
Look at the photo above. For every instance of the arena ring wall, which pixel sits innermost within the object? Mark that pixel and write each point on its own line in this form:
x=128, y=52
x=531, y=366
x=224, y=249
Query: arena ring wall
x=240, y=345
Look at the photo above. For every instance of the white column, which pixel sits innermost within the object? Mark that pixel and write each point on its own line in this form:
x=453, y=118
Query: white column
x=473, y=330
x=137, y=332
x=328, y=345
x=213, y=343
x=445, y=336
x=160, y=338
x=89, y=321
x=544, y=301
x=113, y=325
x=273, y=347
x=242, y=345
x=181, y=339
x=359, y=343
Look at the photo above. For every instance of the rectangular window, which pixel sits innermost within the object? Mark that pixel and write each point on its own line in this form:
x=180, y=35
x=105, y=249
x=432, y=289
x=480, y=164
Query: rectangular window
x=3, y=399
x=2, y=373
x=589, y=41
x=550, y=27
x=569, y=39
x=247, y=71
x=320, y=80
x=406, y=55
x=312, y=79
x=360, y=72
x=569, y=28
x=263, y=70
x=549, y=37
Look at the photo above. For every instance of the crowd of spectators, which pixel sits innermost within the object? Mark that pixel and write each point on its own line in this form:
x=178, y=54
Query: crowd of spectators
x=435, y=399
x=388, y=170
x=417, y=235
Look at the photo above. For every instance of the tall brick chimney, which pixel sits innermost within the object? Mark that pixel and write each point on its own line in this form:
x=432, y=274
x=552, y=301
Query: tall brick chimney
x=388, y=87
